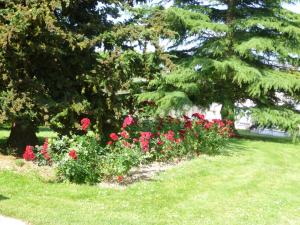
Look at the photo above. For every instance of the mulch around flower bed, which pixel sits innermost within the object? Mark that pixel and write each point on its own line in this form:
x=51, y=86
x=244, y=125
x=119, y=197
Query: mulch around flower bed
x=143, y=173
x=10, y=221
x=21, y=166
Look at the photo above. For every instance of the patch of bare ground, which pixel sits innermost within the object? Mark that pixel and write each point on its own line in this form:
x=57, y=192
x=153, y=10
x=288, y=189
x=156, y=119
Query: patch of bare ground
x=21, y=166
x=142, y=173
x=10, y=221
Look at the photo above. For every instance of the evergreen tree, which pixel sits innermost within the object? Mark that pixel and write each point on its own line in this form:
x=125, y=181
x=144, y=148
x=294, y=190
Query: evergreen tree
x=61, y=60
x=228, y=51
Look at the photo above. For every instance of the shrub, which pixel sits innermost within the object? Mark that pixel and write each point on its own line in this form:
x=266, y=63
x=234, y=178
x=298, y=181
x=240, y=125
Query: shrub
x=83, y=159
x=20, y=162
x=167, y=138
x=79, y=161
x=119, y=161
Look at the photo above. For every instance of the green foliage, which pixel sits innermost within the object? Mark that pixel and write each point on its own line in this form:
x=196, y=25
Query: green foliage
x=20, y=162
x=166, y=100
x=83, y=159
x=118, y=161
x=63, y=60
x=260, y=177
x=230, y=51
x=266, y=116
x=83, y=169
x=42, y=56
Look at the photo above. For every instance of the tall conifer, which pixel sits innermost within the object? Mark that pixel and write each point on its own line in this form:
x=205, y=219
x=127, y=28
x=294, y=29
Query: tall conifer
x=228, y=51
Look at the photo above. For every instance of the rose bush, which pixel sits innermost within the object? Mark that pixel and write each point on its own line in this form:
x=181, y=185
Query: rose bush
x=167, y=138
x=85, y=159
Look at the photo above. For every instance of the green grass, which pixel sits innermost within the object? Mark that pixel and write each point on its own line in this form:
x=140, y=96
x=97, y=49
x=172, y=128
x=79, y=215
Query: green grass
x=43, y=132
x=257, y=183
x=4, y=133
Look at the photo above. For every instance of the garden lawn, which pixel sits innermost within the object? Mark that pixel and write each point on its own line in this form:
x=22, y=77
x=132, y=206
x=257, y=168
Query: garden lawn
x=42, y=134
x=257, y=182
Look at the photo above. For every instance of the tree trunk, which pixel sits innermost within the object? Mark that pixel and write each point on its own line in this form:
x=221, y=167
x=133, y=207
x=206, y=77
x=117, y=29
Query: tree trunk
x=22, y=133
x=106, y=125
x=227, y=113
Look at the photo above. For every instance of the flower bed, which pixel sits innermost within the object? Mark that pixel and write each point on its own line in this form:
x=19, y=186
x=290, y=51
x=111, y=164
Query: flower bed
x=83, y=159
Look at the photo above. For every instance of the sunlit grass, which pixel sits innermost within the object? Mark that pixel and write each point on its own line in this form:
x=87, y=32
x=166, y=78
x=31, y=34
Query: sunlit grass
x=42, y=134
x=257, y=182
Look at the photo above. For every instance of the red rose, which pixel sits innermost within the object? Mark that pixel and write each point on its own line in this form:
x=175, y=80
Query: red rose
x=29, y=154
x=170, y=135
x=182, y=133
x=219, y=122
x=73, y=154
x=208, y=125
x=45, y=145
x=47, y=156
x=128, y=121
x=44, y=150
x=188, y=124
x=178, y=140
x=229, y=122
x=145, y=140
x=126, y=144
x=160, y=142
x=120, y=179
x=199, y=116
x=114, y=136
x=124, y=134
x=85, y=122
x=109, y=143
x=146, y=135
x=186, y=117
x=145, y=146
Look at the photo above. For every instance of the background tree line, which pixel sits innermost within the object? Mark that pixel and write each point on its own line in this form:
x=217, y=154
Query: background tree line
x=61, y=60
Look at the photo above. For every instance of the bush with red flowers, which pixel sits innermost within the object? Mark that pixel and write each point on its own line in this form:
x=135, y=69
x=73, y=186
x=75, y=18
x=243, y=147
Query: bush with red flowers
x=29, y=154
x=169, y=137
x=128, y=121
x=85, y=123
x=78, y=161
x=114, y=136
x=75, y=158
x=42, y=153
x=73, y=154
x=84, y=158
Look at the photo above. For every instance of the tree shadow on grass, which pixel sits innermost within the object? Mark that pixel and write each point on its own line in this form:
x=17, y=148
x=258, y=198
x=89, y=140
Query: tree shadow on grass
x=3, y=149
x=247, y=135
x=2, y=197
x=233, y=147
x=148, y=172
x=4, y=133
x=238, y=145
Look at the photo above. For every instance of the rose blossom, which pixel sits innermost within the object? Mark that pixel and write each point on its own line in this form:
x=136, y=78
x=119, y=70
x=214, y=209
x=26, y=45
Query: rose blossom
x=128, y=121
x=73, y=154
x=114, y=136
x=29, y=154
x=85, y=122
